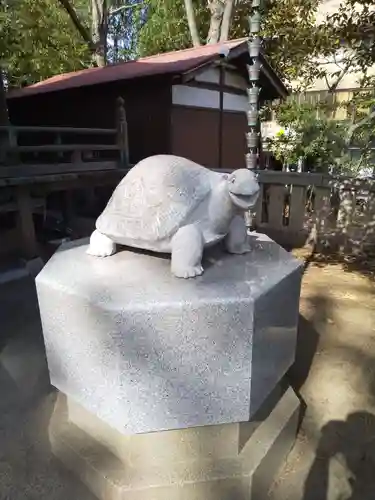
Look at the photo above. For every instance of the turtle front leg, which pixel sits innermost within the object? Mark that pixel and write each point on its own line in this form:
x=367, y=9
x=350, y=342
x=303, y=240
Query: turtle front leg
x=101, y=245
x=237, y=240
x=187, y=251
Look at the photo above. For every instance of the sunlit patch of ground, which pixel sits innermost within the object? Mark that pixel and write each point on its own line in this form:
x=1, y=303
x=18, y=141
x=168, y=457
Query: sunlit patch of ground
x=335, y=451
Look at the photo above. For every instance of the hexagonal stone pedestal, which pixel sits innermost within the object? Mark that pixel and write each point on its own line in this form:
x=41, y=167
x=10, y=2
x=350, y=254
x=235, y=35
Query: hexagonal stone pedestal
x=146, y=352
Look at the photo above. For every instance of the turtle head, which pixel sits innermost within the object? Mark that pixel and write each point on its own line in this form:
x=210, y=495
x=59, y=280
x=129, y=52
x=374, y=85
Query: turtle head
x=243, y=188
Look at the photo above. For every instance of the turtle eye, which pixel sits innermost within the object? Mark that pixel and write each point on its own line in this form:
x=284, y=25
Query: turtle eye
x=233, y=180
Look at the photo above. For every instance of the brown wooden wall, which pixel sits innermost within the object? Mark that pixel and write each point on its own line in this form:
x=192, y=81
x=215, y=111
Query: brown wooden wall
x=195, y=135
x=234, y=139
x=147, y=104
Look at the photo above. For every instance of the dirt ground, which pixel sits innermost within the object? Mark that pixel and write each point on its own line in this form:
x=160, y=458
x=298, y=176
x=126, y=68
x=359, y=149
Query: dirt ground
x=334, y=456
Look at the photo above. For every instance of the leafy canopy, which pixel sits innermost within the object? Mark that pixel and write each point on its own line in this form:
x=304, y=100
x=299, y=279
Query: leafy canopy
x=37, y=40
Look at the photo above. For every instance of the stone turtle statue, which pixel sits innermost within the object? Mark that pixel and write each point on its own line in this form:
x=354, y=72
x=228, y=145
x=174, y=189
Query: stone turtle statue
x=170, y=204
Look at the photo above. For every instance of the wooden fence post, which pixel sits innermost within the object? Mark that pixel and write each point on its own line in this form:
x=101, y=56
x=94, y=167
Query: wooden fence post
x=13, y=157
x=345, y=216
x=276, y=207
x=297, y=208
x=58, y=142
x=341, y=216
x=122, y=133
x=318, y=237
x=26, y=223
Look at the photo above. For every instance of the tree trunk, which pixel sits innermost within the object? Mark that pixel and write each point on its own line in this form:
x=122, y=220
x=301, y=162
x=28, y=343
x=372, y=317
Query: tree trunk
x=115, y=48
x=226, y=21
x=99, y=9
x=216, y=8
x=192, y=23
x=97, y=42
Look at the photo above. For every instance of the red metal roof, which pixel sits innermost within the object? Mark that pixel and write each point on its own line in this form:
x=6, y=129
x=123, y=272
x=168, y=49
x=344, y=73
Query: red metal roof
x=176, y=62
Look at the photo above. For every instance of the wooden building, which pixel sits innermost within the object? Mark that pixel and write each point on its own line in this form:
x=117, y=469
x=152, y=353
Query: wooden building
x=190, y=102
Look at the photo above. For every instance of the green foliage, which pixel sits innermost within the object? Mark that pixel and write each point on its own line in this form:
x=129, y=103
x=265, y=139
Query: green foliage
x=293, y=41
x=167, y=29
x=354, y=25
x=307, y=133
x=37, y=41
x=292, y=38
x=123, y=29
x=361, y=132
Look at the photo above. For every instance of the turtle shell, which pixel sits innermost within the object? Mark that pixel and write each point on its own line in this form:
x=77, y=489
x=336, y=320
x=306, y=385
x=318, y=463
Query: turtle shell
x=155, y=198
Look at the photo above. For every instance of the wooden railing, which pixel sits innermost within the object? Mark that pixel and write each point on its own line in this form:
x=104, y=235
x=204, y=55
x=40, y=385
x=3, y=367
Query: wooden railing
x=333, y=213
x=50, y=150
x=34, y=151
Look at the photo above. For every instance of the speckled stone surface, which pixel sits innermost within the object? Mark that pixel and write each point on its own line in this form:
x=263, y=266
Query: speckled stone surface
x=145, y=351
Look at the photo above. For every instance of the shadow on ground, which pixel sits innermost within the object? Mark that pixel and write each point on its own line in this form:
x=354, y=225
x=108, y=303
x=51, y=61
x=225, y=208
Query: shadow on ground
x=28, y=469
x=343, y=467
x=334, y=371
x=361, y=264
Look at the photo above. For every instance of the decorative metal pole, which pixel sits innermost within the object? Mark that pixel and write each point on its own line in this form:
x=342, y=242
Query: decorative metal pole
x=254, y=44
x=253, y=91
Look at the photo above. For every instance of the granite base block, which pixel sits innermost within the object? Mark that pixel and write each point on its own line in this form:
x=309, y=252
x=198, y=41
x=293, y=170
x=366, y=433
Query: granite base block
x=145, y=351
x=236, y=461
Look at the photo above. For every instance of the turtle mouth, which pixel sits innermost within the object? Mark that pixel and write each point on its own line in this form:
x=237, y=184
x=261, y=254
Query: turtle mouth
x=244, y=201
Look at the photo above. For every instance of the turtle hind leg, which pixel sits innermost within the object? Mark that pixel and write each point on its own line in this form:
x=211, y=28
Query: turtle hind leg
x=187, y=251
x=101, y=245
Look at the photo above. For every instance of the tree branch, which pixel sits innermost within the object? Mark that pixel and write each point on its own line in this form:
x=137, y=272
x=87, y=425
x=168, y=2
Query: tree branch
x=117, y=10
x=362, y=122
x=344, y=70
x=192, y=23
x=78, y=24
x=227, y=17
